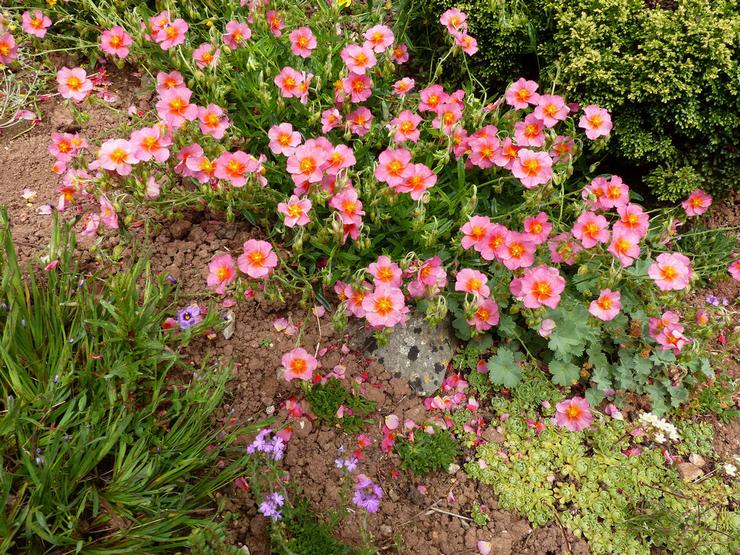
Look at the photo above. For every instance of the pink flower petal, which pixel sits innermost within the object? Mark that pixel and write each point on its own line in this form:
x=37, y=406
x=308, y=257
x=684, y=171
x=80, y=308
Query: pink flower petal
x=391, y=421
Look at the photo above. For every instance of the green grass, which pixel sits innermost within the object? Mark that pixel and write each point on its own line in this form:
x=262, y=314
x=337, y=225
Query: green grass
x=325, y=400
x=103, y=451
x=428, y=452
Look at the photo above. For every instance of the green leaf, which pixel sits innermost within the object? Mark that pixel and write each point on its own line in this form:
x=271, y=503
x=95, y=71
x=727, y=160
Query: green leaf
x=503, y=368
x=658, y=398
x=564, y=373
x=571, y=333
x=506, y=326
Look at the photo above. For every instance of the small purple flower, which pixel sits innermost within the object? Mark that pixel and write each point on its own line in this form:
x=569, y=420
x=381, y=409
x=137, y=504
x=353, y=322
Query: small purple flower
x=275, y=447
x=367, y=494
x=714, y=301
x=349, y=464
x=188, y=317
x=171, y=279
x=269, y=507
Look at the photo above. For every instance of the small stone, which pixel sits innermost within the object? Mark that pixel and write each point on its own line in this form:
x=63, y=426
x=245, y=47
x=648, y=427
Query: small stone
x=689, y=471
x=230, y=319
x=302, y=428
x=386, y=530
x=270, y=410
x=393, y=495
x=180, y=229
x=492, y=435
x=501, y=546
x=453, y=468
x=697, y=460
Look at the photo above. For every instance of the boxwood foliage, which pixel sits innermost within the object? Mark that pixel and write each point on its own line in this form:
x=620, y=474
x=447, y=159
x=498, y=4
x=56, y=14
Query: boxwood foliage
x=667, y=69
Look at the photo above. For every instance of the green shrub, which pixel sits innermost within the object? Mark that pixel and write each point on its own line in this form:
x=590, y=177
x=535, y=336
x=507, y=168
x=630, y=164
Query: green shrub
x=669, y=75
x=101, y=452
x=428, y=452
x=326, y=399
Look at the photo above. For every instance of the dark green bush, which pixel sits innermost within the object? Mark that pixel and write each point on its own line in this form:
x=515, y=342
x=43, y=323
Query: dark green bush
x=667, y=70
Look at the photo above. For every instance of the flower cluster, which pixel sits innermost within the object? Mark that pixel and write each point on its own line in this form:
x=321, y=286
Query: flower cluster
x=659, y=429
x=367, y=494
x=274, y=447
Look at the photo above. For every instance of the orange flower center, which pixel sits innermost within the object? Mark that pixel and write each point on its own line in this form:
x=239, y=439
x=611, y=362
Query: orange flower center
x=433, y=100
x=298, y=365
x=407, y=127
x=118, y=156
x=150, y=143
x=349, y=207
x=542, y=290
x=668, y=273
x=116, y=41
x=257, y=258
x=595, y=121
x=64, y=146
x=523, y=95
x=234, y=167
x=385, y=274
x=395, y=167
x=573, y=412
x=530, y=130
x=37, y=23
x=223, y=273
x=591, y=229
x=604, y=303
x=383, y=305
x=177, y=105
x=536, y=227
x=295, y=210
x=289, y=83
x=171, y=32
x=474, y=284
x=477, y=233
x=516, y=250
x=361, y=59
x=206, y=166
x=308, y=165
x=211, y=120
x=531, y=166
x=74, y=83
x=550, y=110
x=482, y=314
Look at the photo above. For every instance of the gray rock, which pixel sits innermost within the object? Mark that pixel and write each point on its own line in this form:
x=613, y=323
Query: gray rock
x=417, y=352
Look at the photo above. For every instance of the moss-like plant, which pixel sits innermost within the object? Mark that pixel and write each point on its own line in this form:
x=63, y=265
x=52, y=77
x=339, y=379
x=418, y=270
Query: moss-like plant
x=327, y=399
x=427, y=452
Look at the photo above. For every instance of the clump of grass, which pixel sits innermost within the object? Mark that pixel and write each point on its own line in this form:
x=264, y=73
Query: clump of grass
x=101, y=452
x=326, y=399
x=428, y=452
x=301, y=531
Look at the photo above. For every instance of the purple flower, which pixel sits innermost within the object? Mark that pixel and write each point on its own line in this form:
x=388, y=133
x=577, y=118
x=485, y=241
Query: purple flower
x=188, y=317
x=269, y=507
x=349, y=464
x=367, y=494
x=714, y=301
x=275, y=447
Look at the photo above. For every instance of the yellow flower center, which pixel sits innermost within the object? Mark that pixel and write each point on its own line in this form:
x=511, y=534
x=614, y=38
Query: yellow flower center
x=308, y=165
x=118, y=156
x=383, y=305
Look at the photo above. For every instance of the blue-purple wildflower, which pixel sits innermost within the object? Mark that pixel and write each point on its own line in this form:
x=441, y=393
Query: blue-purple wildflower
x=367, y=494
x=275, y=447
x=270, y=506
x=188, y=317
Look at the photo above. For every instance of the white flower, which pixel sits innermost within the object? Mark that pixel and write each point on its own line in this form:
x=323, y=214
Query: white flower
x=730, y=469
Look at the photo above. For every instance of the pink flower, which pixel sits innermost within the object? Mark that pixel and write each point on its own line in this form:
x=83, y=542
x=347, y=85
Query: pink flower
x=8, y=48
x=91, y=224
x=153, y=188
x=108, y=215
x=234, y=166
x=517, y=251
x=237, y=34
x=431, y=97
x=340, y=157
x=563, y=249
x=616, y=193
x=400, y=54
x=591, y=229
x=385, y=271
x=494, y=242
x=305, y=163
x=360, y=121
x=384, y=307
x=221, y=273
x=358, y=59
x=472, y=281
x=521, y=94
x=625, y=247
x=448, y=114
x=174, y=107
x=607, y=306
x=392, y=165
x=298, y=365
x=547, y=326
x=573, y=414
x=595, y=121
x=213, y=121
x=506, y=154
x=671, y=271
x=283, y=140
x=671, y=338
x=349, y=206
x=466, y=43
x=539, y=286
x=295, y=211
x=185, y=153
x=537, y=228
x=632, y=219
x=486, y=315
x=330, y=118
x=656, y=325
x=475, y=231
x=117, y=155
x=158, y=22
x=551, y=109
x=418, y=178
x=64, y=146
x=115, y=41
x=402, y=86
x=35, y=23
x=172, y=34
x=73, y=83
x=532, y=168
x=258, y=259
x=405, y=127
x=379, y=38
x=275, y=22
x=483, y=145
x=171, y=80
x=148, y=143
x=302, y=42
x=529, y=132
x=454, y=20
x=734, y=270
x=359, y=87
x=697, y=203
x=201, y=168
x=431, y=277
x=206, y=55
